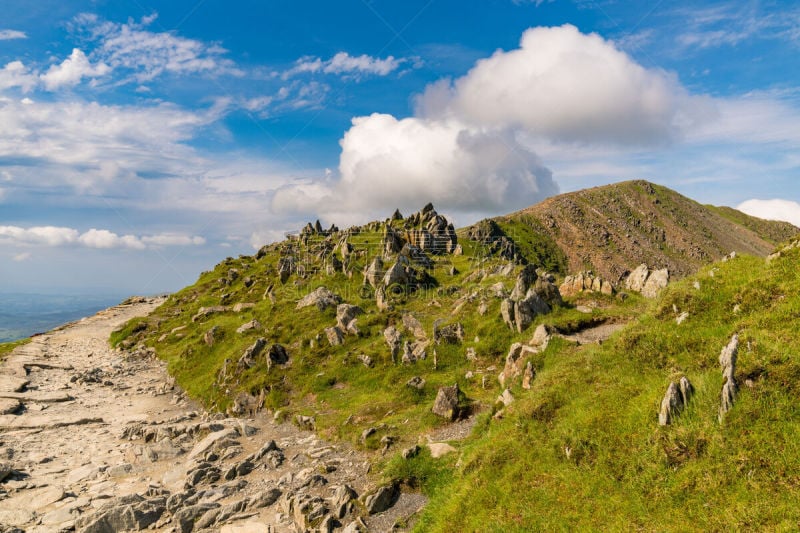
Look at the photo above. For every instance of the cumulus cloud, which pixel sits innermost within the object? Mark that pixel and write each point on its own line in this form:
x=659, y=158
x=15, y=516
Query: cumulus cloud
x=72, y=70
x=131, y=46
x=344, y=64
x=93, y=238
x=565, y=85
x=775, y=209
x=7, y=35
x=387, y=163
x=16, y=74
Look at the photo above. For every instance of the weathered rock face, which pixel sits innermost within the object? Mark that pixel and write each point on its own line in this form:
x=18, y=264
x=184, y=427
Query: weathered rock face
x=525, y=279
x=248, y=358
x=528, y=299
x=450, y=334
x=727, y=360
x=346, y=316
x=414, y=326
x=585, y=281
x=446, y=403
x=277, y=355
x=373, y=275
x=647, y=282
x=121, y=514
x=382, y=499
x=321, y=297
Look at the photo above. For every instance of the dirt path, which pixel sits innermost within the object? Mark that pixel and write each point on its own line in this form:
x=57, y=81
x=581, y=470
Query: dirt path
x=95, y=440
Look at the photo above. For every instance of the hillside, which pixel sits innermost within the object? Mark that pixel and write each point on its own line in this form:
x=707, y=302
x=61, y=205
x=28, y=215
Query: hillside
x=445, y=354
x=613, y=228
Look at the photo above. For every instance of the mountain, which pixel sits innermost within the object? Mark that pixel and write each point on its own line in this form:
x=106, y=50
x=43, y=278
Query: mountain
x=613, y=228
x=452, y=359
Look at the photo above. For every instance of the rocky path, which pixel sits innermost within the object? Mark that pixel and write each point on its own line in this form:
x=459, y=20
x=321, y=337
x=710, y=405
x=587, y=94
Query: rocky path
x=92, y=439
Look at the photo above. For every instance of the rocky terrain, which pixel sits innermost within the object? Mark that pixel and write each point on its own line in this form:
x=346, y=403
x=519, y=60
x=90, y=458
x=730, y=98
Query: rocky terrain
x=97, y=440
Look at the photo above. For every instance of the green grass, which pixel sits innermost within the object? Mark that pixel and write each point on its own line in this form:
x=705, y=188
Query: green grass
x=7, y=347
x=582, y=449
x=622, y=470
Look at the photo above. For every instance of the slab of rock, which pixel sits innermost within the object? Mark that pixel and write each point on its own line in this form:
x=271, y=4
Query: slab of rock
x=657, y=280
x=10, y=422
x=15, y=517
x=321, y=297
x=382, y=499
x=9, y=406
x=38, y=397
x=211, y=440
x=126, y=513
x=12, y=384
x=446, y=403
x=334, y=335
x=345, y=314
x=247, y=326
x=440, y=449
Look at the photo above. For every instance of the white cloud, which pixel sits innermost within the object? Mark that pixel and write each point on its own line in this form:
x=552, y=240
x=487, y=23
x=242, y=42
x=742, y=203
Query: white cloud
x=7, y=35
x=775, y=209
x=173, y=239
x=565, y=85
x=23, y=256
x=101, y=238
x=93, y=238
x=149, y=54
x=344, y=64
x=39, y=235
x=72, y=70
x=387, y=163
x=294, y=95
x=16, y=74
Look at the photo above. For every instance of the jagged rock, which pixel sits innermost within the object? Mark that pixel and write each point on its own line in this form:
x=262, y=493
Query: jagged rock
x=393, y=339
x=547, y=291
x=527, y=376
x=346, y=315
x=727, y=360
x=396, y=276
x=5, y=470
x=286, y=267
x=365, y=360
x=686, y=388
x=585, y=281
x=637, y=278
x=511, y=368
x=380, y=299
x=408, y=357
x=341, y=501
x=450, y=334
x=187, y=516
x=416, y=382
x=657, y=280
x=211, y=440
x=508, y=312
x=446, y=403
x=335, y=335
x=277, y=355
x=392, y=242
x=483, y=308
x=131, y=512
x=248, y=326
x=675, y=400
x=525, y=279
x=382, y=499
x=306, y=422
x=410, y=453
x=265, y=498
x=541, y=337
x=506, y=398
x=308, y=511
x=210, y=336
x=321, y=297
x=248, y=358
x=526, y=310
x=413, y=325
x=241, y=306
x=374, y=273
x=204, y=312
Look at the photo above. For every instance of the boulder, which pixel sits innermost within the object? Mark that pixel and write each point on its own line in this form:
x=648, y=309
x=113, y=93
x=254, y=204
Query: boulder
x=382, y=499
x=374, y=273
x=346, y=314
x=335, y=335
x=446, y=403
x=341, y=501
x=277, y=355
x=211, y=335
x=248, y=358
x=450, y=334
x=525, y=279
x=393, y=340
x=413, y=325
x=416, y=382
x=527, y=376
x=396, y=275
x=131, y=512
x=508, y=312
x=657, y=280
x=249, y=326
x=676, y=398
x=320, y=297
x=636, y=279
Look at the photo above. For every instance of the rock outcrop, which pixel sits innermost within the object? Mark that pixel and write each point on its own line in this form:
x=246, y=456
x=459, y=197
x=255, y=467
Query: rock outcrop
x=647, y=282
x=727, y=361
x=585, y=281
x=675, y=400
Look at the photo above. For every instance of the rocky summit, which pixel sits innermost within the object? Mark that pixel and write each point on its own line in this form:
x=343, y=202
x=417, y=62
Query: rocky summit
x=615, y=358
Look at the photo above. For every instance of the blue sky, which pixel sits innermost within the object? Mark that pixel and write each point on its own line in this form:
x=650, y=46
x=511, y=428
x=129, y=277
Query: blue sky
x=141, y=141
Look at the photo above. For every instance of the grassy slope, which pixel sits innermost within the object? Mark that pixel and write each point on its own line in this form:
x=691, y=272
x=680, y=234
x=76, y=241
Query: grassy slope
x=771, y=230
x=7, y=347
x=623, y=470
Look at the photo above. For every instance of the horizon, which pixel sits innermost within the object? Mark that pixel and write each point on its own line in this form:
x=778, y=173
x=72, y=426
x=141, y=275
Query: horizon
x=141, y=145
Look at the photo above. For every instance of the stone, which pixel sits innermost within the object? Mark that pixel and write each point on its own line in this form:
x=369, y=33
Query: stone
x=727, y=360
x=671, y=405
x=341, y=500
x=680, y=318
x=513, y=360
x=541, y=337
x=440, y=449
x=12, y=383
x=450, y=334
x=657, y=280
x=321, y=297
x=381, y=301
x=212, y=440
x=374, y=273
x=125, y=513
x=410, y=453
x=9, y=406
x=241, y=306
x=416, y=382
x=265, y=498
x=306, y=422
x=187, y=516
x=506, y=398
x=508, y=312
x=15, y=517
x=334, y=335
x=249, y=326
x=525, y=279
x=636, y=279
x=356, y=526
x=528, y=309
x=365, y=360
x=393, y=340
x=345, y=314
x=277, y=355
x=381, y=499
x=211, y=335
x=396, y=276
x=446, y=403
x=414, y=326
x=408, y=356
x=5, y=470
x=248, y=358
x=527, y=376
